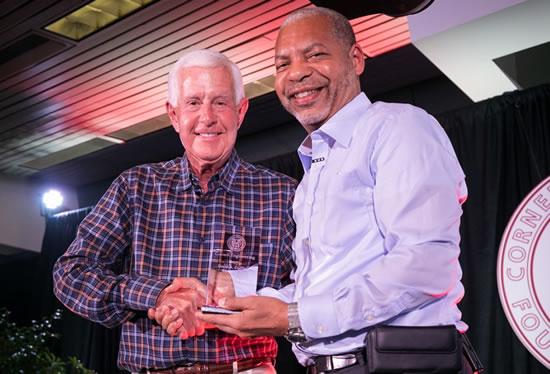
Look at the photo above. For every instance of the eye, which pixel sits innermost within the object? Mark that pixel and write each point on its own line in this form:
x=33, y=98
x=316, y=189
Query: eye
x=192, y=105
x=281, y=66
x=317, y=55
x=221, y=105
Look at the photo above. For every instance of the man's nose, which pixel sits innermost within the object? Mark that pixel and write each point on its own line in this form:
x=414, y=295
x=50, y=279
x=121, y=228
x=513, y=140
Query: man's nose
x=298, y=70
x=207, y=114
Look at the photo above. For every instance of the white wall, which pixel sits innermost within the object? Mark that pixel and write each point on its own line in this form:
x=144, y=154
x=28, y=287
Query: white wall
x=463, y=39
x=21, y=225
x=446, y=14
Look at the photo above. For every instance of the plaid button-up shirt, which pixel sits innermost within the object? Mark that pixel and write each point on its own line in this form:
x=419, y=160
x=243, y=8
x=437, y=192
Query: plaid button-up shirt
x=155, y=223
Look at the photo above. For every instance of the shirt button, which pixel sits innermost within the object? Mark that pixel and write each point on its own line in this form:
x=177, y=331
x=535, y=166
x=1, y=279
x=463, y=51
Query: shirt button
x=320, y=329
x=310, y=201
x=369, y=317
x=306, y=243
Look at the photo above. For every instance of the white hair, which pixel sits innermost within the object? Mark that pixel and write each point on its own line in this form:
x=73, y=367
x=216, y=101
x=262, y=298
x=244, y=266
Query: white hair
x=203, y=58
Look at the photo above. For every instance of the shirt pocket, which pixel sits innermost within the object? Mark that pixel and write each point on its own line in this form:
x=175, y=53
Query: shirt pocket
x=347, y=214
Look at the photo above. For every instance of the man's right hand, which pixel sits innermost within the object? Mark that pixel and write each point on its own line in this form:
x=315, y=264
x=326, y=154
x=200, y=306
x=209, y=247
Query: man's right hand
x=177, y=305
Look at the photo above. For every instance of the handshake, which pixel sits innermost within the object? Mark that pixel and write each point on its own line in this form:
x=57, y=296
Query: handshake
x=178, y=309
x=177, y=305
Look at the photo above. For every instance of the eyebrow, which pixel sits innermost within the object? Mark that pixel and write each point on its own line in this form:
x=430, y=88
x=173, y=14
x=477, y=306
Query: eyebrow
x=221, y=96
x=306, y=50
x=189, y=97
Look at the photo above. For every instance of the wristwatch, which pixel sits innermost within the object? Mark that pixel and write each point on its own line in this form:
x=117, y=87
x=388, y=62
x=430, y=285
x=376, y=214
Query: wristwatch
x=294, y=334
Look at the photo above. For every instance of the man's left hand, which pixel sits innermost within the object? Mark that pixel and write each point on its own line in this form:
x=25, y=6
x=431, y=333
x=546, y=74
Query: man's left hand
x=259, y=316
x=176, y=306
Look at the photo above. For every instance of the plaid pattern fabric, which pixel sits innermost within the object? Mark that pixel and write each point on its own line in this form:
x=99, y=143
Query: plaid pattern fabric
x=153, y=224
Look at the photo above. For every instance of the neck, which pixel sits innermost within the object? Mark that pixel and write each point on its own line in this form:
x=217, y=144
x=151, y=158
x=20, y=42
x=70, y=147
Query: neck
x=204, y=171
x=204, y=175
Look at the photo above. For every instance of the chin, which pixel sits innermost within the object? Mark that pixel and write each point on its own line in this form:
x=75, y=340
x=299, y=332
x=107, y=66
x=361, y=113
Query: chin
x=311, y=120
x=310, y=116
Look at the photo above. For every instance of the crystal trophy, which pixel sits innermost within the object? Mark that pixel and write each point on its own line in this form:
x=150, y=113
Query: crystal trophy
x=230, y=251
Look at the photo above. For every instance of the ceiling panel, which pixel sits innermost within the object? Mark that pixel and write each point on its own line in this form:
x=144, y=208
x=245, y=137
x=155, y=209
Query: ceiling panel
x=54, y=107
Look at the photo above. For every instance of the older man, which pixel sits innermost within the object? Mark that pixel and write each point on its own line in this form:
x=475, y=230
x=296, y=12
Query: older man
x=377, y=212
x=146, y=247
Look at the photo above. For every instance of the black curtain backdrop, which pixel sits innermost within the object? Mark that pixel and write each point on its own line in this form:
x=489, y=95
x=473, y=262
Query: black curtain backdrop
x=32, y=297
x=503, y=146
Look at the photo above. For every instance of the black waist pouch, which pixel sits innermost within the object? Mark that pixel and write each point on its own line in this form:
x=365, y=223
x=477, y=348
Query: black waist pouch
x=412, y=349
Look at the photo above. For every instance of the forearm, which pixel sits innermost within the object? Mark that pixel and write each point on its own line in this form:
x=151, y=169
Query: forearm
x=384, y=292
x=100, y=295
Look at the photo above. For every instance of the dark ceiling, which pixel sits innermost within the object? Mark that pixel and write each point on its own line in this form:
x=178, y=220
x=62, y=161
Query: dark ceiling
x=65, y=105
x=62, y=99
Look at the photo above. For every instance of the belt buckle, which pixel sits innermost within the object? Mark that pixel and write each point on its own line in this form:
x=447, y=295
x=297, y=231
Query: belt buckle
x=337, y=362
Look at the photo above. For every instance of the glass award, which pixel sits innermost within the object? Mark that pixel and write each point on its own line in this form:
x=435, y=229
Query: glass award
x=230, y=252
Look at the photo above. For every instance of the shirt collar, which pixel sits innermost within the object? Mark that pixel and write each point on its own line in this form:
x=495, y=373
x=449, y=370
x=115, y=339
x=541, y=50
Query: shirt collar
x=304, y=153
x=225, y=177
x=228, y=174
x=339, y=127
x=185, y=173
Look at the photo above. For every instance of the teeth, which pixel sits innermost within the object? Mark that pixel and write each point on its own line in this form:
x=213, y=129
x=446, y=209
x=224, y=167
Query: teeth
x=208, y=135
x=304, y=94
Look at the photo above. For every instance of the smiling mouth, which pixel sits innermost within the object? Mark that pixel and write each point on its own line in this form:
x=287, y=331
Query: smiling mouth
x=210, y=135
x=303, y=94
x=305, y=98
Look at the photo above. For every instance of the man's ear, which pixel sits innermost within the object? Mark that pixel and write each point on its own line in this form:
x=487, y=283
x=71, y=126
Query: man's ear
x=358, y=58
x=171, y=111
x=241, y=111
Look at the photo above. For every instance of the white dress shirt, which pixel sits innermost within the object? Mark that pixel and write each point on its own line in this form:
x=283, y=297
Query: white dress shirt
x=377, y=216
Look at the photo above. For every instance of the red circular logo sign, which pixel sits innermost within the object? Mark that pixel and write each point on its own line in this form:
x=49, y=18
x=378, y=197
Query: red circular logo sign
x=522, y=272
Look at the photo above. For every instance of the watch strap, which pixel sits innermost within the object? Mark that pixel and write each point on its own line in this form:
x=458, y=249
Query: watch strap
x=294, y=334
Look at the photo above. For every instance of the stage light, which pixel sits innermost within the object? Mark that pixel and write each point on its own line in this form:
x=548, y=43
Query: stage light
x=52, y=199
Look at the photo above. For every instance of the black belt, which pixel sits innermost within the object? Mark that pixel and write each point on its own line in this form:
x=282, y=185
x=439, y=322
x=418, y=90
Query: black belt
x=229, y=368
x=323, y=364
